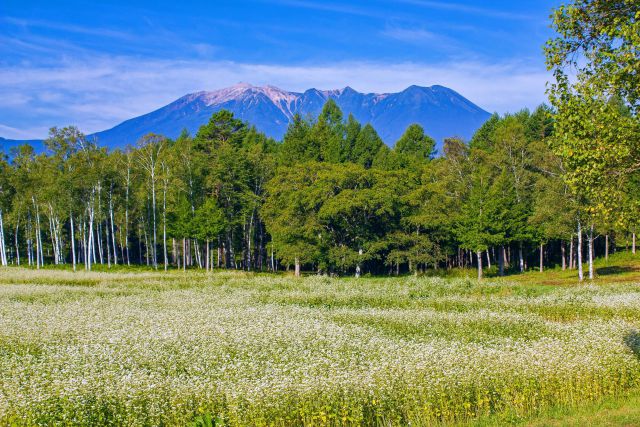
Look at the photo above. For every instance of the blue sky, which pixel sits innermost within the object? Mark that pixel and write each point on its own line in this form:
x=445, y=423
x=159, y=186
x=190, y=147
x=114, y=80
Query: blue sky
x=95, y=64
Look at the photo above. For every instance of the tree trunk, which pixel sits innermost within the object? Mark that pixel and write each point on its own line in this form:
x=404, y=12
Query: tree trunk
x=16, y=243
x=27, y=231
x=38, y=241
x=571, y=255
x=562, y=255
x=541, y=257
x=501, y=253
x=178, y=256
x=89, y=245
x=521, y=258
x=146, y=245
x=207, y=255
x=106, y=242
x=591, y=252
x=488, y=259
x=164, y=230
x=297, y=267
x=3, y=250
x=479, y=256
x=126, y=217
x=579, y=249
x=184, y=254
x=197, y=251
x=273, y=263
x=113, y=234
x=73, y=242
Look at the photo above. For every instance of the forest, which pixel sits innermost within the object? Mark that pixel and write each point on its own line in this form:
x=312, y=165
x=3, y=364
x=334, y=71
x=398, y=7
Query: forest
x=331, y=198
x=557, y=186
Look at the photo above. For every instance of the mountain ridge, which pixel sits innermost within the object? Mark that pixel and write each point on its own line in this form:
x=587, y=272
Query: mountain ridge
x=443, y=112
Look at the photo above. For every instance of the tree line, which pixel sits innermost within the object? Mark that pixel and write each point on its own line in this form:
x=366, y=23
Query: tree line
x=330, y=198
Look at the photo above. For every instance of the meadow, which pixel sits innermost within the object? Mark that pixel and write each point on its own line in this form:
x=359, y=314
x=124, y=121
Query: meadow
x=236, y=349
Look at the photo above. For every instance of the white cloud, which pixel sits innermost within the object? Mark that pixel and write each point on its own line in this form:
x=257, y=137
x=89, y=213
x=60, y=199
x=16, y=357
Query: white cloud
x=9, y=132
x=99, y=92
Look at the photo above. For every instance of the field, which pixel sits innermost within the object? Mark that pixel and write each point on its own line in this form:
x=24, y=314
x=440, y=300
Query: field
x=145, y=348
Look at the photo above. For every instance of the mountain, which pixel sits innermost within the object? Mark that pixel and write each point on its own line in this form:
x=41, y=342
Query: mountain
x=7, y=144
x=441, y=111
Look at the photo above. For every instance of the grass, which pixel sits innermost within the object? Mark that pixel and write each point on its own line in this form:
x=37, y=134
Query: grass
x=151, y=348
x=622, y=410
x=621, y=267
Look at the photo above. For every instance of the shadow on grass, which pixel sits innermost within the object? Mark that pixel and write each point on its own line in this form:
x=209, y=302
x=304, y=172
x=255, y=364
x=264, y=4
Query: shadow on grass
x=614, y=269
x=632, y=340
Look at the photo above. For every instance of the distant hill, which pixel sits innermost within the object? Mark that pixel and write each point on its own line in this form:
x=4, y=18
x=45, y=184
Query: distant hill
x=7, y=144
x=440, y=110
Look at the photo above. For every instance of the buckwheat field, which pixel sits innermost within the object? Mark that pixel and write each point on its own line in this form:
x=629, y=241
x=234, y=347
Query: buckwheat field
x=238, y=350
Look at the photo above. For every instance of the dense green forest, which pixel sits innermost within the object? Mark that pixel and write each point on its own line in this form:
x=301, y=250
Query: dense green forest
x=556, y=186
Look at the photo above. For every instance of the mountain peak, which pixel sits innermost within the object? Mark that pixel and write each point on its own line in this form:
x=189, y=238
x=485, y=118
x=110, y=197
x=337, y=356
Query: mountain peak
x=242, y=85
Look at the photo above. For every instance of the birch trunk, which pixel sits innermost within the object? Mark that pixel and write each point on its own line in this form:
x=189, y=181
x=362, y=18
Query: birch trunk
x=164, y=226
x=297, y=267
x=16, y=242
x=3, y=250
x=184, y=254
x=196, y=247
x=146, y=245
x=563, y=255
x=126, y=216
x=53, y=237
x=579, y=250
x=521, y=258
x=207, y=255
x=113, y=233
x=39, y=254
x=153, y=207
x=541, y=257
x=571, y=255
x=590, y=242
x=89, y=240
x=479, y=256
x=73, y=242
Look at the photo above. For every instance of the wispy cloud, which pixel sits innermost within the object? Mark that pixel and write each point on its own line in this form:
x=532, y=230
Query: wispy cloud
x=9, y=132
x=423, y=37
x=463, y=8
x=99, y=92
x=330, y=7
x=68, y=28
x=411, y=35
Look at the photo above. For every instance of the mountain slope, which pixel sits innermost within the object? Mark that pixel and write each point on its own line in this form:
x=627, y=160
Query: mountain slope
x=6, y=145
x=441, y=111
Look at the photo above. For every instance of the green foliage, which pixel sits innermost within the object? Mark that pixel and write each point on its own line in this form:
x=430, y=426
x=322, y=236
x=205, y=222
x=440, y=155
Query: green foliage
x=414, y=146
x=597, y=127
x=366, y=145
